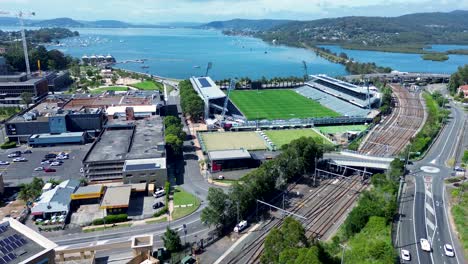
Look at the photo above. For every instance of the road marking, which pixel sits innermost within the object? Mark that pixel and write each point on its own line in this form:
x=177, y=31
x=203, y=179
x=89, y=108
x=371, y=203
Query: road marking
x=414, y=217
x=430, y=209
x=430, y=224
x=428, y=193
x=448, y=138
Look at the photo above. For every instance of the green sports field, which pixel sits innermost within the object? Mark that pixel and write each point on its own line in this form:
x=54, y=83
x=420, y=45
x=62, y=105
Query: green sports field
x=278, y=104
x=283, y=137
x=341, y=129
x=232, y=140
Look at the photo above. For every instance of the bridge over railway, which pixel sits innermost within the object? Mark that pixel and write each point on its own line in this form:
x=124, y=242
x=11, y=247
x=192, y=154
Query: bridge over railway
x=404, y=76
x=351, y=159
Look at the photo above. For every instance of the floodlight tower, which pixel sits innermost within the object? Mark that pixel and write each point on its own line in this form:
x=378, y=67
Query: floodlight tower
x=20, y=15
x=304, y=65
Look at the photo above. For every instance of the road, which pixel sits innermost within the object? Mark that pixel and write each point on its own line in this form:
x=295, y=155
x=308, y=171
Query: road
x=423, y=205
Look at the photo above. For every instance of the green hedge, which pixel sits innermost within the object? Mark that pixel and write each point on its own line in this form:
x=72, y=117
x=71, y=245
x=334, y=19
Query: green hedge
x=111, y=219
x=165, y=210
x=8, y=145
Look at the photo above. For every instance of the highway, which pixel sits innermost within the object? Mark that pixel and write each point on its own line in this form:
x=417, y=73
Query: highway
x=423, y=205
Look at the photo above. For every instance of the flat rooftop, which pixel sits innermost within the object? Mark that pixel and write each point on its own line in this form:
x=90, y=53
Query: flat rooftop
x=207, y=88
x=144, y=164
x=93, y=188
x=121, y=141
x=229, y=154
x=116, y=197
x=66, y=134
x=345, y=85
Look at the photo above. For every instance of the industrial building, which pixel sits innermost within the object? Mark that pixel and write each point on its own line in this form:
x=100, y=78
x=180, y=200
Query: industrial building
x=145, y=170
x=42, y=140
x=124, y=140
x=20, y=244
x=116, y=199
x=12, y=85
x=55, y=201
x=89, y=194
x=62, y=114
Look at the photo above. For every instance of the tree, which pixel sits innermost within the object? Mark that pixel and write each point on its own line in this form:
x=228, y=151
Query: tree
x=216, y=213
x=174, y=142
x=172, y=240
x=89, y=72
x=300, y=255
x=114, y=79
x=273, y=246
x=26, y=98
x=29, y=192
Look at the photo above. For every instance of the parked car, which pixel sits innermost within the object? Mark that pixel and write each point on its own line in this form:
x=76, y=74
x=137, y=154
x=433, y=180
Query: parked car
x=50, y=156
x=81, y=170
x=458, y=168
x=240, y=226
x=405, y=255
x=28, y=151
x=60, y=157
x=20, y=159
x=39, y=169
x=4, y=162
x=14, y=155
x=50, y=170
x=448, y=249
x=55, y=163
x=159, y=193
x=46, y=162
x=425, y=245
x=221, y=177
x=158, y=204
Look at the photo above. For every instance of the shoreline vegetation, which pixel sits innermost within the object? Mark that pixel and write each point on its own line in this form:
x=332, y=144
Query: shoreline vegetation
x=435, y=56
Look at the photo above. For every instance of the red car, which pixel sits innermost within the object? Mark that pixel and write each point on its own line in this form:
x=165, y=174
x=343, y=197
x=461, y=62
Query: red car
x=50, y=170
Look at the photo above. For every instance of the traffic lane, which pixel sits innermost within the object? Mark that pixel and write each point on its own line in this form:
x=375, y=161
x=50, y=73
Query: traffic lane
x=457, y=118
x=419, y=220
x=22, y=172
x=444, y=233
x=406, y=232
x=192, y=222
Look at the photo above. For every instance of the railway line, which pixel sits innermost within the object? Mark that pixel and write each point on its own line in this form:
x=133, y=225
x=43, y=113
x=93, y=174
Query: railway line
x=322, y=207
x=391, y=136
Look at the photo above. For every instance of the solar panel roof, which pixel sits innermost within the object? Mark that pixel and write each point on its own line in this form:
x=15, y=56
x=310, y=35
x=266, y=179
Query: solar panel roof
x=204, y=82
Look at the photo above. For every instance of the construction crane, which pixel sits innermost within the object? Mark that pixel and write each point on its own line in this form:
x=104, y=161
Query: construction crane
x=20, y=15
x=232, y=86
x=208, y=67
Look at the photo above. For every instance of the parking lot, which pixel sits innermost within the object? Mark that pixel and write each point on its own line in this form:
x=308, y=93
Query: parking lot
x=22, y=172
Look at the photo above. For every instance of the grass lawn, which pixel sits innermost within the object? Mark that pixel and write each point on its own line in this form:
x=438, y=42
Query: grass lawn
x=105, y=228
x=283, y=137
x=148, y=85
x=460, y=214
x=278, y=104
x=181, y=197
x=6, y=112
x=110, y=88
x=341, y=129
x=232, y=140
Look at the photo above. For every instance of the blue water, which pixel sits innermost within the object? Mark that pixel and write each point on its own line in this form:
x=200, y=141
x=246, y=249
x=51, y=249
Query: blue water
x=175, y=52
x=406, y=62
x=442, y=48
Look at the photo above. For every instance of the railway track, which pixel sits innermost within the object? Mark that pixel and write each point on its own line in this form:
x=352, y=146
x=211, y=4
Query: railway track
x=326, y=204
x=392, y=135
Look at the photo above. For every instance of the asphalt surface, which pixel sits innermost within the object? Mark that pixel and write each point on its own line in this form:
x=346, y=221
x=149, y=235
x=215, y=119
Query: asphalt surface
x=423, y=206
x=22, y=172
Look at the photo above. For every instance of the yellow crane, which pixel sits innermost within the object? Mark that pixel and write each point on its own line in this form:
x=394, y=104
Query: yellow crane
x=20, y=15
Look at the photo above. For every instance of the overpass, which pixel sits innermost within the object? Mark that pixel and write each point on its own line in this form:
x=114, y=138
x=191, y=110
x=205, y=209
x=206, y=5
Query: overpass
x=352, y=159
x=404, y=76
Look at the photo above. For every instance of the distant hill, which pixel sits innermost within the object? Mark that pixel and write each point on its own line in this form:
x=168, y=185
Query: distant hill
x=57, y=22
x=106, y=24
x=245, y=24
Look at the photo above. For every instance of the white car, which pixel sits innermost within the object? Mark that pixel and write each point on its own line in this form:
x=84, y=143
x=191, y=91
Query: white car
x=60, y=157
x=45, y=162
x=425, y=245
x=159, y=193
x=20, y=159
x=55, y=163
x=39, y=169
x=240, y=226
x=221, y=177
x=448, y=249
x=405, y=255
x=13, y=155
x=4, y=162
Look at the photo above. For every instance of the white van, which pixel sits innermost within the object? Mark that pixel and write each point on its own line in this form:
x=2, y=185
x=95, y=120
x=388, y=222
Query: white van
x=425, y=245
x=240, y=226
x=159, y=193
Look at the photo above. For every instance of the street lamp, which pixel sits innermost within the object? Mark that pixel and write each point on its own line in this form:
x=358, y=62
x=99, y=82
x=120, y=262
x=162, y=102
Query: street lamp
x=343, y=252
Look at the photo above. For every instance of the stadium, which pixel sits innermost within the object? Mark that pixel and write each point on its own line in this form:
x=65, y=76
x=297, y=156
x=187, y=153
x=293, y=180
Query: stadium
x=320, y=101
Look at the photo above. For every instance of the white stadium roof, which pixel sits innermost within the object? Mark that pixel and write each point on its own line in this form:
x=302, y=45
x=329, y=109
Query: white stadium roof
x=207, y=88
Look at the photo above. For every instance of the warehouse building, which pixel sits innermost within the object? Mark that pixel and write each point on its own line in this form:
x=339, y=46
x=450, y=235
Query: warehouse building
x=14, y=84
x=90, y=194
x=124, y=140
x=56, y=201
x=42, y=140
x=20, y=244
x=116, y=199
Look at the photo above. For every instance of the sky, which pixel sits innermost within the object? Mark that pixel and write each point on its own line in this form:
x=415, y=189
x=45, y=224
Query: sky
x=163, y=11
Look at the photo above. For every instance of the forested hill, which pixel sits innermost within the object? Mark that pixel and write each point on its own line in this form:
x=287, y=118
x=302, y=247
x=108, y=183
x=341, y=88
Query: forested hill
x=246, y=24
x=451, y=27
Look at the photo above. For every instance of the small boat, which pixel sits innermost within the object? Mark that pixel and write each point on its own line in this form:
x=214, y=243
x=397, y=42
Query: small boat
x=196, y=67
x=144, y=67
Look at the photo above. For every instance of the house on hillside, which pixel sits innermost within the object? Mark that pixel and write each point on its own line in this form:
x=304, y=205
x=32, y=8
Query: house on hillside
x=463, y=89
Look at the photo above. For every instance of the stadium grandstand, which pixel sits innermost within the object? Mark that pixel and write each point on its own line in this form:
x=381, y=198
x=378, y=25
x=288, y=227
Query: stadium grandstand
x=353, y=94
x=209, y=92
